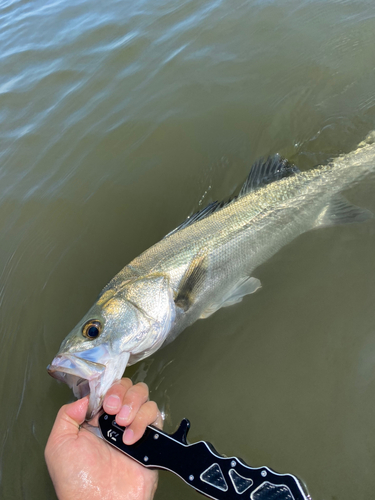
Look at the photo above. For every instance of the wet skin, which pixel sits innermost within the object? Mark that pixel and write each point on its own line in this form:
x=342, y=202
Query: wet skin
x=82, y=466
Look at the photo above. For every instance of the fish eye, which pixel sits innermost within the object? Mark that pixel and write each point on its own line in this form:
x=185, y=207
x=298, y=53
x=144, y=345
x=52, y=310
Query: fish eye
x=92, y=329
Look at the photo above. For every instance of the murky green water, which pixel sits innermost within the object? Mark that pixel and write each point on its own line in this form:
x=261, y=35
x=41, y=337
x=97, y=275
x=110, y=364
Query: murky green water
x=117, y=120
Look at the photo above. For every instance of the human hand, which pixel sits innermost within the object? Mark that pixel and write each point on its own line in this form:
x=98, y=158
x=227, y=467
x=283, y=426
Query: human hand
x=82, y=466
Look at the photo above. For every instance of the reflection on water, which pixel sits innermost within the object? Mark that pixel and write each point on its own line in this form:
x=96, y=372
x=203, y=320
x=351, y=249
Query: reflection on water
x=116, y=119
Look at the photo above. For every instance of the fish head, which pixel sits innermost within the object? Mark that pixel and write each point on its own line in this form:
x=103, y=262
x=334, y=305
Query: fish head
x=125, y=325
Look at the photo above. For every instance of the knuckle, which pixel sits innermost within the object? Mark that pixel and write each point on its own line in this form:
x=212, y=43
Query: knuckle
x=141, y=416
x=120, y=387
x=123, y=383
x=147, y=413
x=153, y=408
x=139, y=392
x=143, y=388
x=126, y=381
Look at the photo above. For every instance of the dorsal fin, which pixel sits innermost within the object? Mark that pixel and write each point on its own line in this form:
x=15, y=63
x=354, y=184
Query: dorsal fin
x=202, y=214
x=263, y=172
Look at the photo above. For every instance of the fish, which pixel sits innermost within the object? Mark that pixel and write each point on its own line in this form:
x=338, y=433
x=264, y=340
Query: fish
x=205, y=264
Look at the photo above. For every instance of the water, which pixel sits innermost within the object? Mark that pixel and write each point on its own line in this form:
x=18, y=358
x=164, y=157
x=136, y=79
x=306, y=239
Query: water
x=117, y=120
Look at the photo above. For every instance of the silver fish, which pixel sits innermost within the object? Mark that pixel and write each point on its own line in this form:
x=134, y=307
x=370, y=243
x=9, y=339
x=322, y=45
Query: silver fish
x=203, y=265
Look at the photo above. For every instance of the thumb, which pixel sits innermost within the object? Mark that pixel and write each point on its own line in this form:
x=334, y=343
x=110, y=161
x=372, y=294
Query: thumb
x=65, y=430
x=68, y=420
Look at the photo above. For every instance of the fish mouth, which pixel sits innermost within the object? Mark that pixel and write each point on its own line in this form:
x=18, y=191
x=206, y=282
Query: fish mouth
x=75, y=373
x=86, y=377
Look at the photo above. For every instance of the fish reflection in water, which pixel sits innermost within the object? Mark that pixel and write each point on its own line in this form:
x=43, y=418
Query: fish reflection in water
x=205, y=264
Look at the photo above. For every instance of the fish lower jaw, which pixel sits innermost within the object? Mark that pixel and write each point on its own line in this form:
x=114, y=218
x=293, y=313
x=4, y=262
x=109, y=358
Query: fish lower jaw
x=79, y=384
x=81, y=387
x=76, y=375
x=87, y=378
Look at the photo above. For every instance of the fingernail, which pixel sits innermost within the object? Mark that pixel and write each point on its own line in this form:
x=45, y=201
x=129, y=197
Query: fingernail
x=124, y=412
x=128, y=436
x=112, y=402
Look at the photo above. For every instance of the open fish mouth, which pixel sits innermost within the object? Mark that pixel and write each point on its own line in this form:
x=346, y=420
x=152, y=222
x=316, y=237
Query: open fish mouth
x=86, y=377
x=79, y=385
x=75, y=373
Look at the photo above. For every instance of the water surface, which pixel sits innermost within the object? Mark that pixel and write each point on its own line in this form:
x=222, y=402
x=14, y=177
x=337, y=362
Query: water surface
x=117, y=120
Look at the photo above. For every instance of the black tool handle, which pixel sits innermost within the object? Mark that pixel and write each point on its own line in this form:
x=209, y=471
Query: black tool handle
x=201, y=466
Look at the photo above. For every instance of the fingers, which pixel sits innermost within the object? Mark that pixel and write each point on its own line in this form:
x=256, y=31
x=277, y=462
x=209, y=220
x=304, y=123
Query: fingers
x=70, y=417
x=67, y=423
x=113, y=400
x=133, y=400
x=132, y=409
x=124, y=400
x=146, y=415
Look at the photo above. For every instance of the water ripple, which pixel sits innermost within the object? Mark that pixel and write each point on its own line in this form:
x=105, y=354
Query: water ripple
x=117, y=114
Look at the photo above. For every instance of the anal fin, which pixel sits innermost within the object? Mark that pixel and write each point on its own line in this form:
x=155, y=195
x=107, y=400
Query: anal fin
x=243, y=287
x=340, y=211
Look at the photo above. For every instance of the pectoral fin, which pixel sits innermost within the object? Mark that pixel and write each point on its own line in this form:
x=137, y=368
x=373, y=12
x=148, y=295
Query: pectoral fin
x=192, y=282
x=243, y=287
x=340, y=211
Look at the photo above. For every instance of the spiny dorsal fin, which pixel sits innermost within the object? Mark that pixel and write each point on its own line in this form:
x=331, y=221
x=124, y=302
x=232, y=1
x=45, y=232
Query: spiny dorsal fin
x=202, y=214
x=263, y=172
